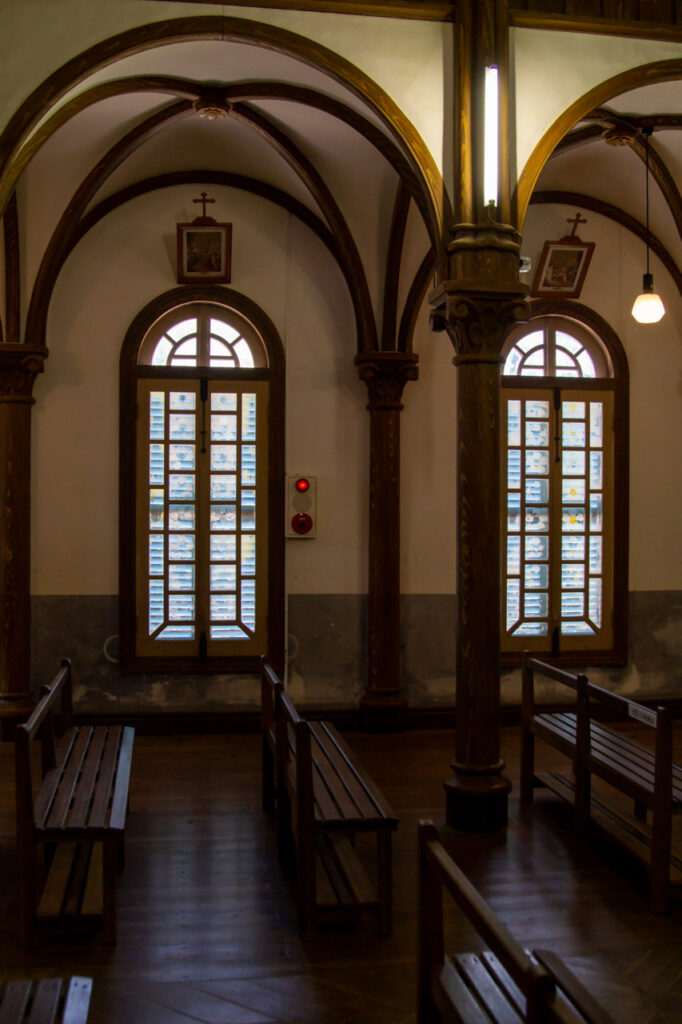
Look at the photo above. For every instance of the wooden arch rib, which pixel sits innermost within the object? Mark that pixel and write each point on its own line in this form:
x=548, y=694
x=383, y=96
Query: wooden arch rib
x=57, y=248
x=177, y=87
x=360, y=296
x=414, y=300
x=135, y=40
x=647, y=74
x=191, y=177
x=60, y=243
x=396, y=242
x=225, y=178
x=619, y=216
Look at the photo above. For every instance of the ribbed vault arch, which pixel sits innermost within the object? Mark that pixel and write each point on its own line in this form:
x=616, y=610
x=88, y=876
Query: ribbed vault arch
x=646, y=74
x=41, y=101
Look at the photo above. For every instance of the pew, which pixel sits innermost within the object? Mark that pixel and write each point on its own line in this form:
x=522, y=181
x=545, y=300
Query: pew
x=504, y=984
x=71, y=820
x=646, y=776
x=325, y=800
x=47, y=1001
x=271, y=686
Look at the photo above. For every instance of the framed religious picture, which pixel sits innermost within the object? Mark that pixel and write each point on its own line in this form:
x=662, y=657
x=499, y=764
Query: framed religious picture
x=204, y=252
x=563, y=265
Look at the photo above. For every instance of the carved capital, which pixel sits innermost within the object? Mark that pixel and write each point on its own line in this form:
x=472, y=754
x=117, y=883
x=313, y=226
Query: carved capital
x=19, y=367
x=386, y=374
x=478, y=325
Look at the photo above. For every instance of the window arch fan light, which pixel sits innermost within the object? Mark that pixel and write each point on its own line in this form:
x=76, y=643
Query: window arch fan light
x=648, y=307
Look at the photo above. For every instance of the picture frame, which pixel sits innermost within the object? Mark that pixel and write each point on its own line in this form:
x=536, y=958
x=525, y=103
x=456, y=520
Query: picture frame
x=562, y=268
x=204, y=252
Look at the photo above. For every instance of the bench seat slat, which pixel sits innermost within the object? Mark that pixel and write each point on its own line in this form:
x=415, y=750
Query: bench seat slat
x=46, y=794
x=119, y=803
x=99, y=812
x=358, y=803
x=80, y=808
x=14, y=1001
x=77, y=1001
x=455, y=1000
x=56, y=817
x=475, y=972
x=353, y=792
x=45, y=1001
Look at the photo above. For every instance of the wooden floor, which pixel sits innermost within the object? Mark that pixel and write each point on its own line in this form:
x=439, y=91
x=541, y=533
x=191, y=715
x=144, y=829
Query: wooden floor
x=207, y=926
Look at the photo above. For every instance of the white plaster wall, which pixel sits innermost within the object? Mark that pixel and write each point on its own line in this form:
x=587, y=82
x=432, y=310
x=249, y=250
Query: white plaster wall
x=654, y=355
x=428, y=476
x=405, y=58
x=568, y=64
x=126, y=261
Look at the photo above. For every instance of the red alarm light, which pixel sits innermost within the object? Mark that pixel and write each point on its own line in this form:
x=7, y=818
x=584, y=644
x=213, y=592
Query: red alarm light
x=301, y=507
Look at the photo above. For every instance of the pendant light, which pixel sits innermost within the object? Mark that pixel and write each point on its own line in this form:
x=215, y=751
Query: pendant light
x=647, y=308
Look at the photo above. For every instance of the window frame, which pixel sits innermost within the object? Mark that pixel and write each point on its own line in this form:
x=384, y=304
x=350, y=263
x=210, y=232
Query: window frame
x=147, y=325
x=578, y=319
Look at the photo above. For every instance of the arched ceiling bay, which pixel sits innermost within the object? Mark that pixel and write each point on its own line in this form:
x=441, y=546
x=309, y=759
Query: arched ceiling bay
x=224, y=108
x=599, y=166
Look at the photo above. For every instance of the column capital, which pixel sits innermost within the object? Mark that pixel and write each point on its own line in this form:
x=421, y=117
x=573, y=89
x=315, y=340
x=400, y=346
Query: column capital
x=386, y=374
x=19, y=367
x=483, y=296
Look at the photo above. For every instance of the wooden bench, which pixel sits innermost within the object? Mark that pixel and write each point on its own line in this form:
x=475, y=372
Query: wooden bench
x=325, y=800
x=71, y=820
x=48, y=1001
x=271, y=686
x=504, y=984
x=646, y=776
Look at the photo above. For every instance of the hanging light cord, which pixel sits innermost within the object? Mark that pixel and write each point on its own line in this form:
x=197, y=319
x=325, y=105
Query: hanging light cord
x=647, y=133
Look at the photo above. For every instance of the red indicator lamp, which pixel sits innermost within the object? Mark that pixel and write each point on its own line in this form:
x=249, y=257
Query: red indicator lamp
x=302, y=484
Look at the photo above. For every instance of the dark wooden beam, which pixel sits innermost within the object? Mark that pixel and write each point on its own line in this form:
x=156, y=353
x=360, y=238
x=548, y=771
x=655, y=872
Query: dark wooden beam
x=420, y=10
x=320, y=192
x=10, y=225
x=396, y=242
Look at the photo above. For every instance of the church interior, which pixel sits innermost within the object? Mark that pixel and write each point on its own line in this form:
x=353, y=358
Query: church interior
x=343, y=338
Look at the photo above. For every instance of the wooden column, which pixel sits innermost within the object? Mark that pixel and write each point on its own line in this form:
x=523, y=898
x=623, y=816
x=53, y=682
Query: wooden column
x=384, y=704
x=477, y=319
x=19, y=365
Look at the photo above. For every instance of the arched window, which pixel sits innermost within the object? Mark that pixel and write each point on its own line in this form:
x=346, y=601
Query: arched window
x=564, y=479
x=198, y=544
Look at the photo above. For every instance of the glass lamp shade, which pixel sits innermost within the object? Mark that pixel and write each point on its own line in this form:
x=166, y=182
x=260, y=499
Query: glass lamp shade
x=648, y=307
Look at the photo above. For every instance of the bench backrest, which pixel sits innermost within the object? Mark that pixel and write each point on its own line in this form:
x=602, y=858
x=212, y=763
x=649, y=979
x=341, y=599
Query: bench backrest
x=56, y=703
x=270, y=686
x=438, y=871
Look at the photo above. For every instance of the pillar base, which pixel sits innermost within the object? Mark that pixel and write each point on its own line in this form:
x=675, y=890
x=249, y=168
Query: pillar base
x=383, y=712
x=476, y=803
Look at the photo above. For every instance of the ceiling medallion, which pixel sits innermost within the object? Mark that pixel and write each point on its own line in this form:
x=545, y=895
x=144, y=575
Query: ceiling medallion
x=212, y=106
x=619, y=135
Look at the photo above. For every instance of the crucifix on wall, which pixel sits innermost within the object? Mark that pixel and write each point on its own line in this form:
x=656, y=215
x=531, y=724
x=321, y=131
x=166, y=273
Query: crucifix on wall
x=563, y=264
x=204, y=248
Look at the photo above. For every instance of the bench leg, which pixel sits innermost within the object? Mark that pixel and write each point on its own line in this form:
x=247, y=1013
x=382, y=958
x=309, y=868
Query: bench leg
x=659, y=871
x=27, y=881
x=527, y=765
x=268, y=788
x=109, y=866
x=385, y=882
x=583, y=800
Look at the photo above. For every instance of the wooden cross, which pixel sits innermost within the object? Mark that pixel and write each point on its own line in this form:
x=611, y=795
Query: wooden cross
x=569, y=220
x=204, y=199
